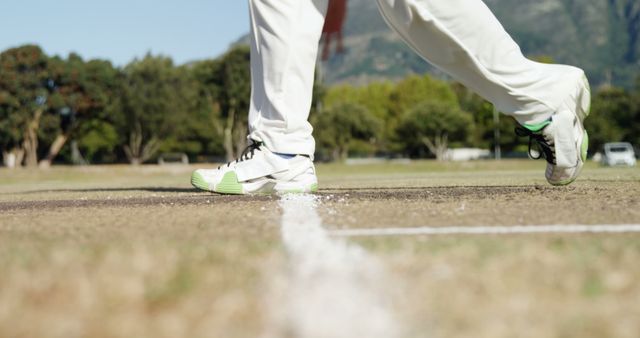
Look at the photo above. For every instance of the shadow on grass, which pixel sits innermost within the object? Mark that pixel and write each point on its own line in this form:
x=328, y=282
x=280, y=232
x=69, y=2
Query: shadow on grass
x=147, y=189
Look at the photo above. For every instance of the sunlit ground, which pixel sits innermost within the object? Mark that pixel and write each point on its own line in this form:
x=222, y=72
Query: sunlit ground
x=119, y=251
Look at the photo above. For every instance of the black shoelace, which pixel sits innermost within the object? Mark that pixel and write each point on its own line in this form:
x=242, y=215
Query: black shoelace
x=545, y=150
x=248, y=153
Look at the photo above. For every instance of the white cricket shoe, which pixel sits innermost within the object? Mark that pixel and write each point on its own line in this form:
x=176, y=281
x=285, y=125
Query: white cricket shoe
x=259, y=171
x=562, y=140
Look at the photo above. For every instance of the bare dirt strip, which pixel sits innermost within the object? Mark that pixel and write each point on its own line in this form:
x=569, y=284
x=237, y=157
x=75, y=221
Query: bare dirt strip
x=177, y=196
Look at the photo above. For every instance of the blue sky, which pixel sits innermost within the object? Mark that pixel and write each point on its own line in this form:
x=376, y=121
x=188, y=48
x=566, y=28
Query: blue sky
x=120, y=30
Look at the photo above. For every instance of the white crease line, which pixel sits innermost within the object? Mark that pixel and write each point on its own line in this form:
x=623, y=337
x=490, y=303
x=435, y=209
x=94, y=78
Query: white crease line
x=333, y=289
x=490, y=230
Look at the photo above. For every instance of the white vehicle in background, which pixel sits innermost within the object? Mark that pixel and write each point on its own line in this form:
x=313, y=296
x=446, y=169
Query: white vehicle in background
x=467, y=154
x=618, y=153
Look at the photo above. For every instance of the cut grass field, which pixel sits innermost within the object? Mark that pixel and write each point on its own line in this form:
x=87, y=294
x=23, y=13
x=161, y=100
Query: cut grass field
x=118, y=251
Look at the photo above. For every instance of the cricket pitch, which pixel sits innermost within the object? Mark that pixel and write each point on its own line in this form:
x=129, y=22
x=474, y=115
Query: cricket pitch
x=119, y=251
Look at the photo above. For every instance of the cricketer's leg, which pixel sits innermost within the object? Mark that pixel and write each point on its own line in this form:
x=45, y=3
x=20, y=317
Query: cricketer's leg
x=284, y=46
x=464, y=39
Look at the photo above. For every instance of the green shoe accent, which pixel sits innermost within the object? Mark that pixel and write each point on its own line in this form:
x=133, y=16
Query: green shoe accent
x=199, y=182
x=314, y=187
x=229, y=184
x=585, y=146
x=537, y=127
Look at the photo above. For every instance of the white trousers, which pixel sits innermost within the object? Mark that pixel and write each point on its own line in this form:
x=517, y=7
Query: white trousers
x=461, y=37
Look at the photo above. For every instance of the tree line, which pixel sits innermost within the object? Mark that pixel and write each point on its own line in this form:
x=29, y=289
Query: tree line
x=71, y=110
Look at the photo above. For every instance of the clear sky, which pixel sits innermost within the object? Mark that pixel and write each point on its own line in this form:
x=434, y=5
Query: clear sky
x=120, y=30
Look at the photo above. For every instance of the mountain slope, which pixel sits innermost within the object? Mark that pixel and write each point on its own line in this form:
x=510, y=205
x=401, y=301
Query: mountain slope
x=600, y=36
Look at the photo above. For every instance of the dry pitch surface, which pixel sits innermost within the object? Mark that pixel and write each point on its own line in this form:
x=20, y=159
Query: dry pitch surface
x=135, y=252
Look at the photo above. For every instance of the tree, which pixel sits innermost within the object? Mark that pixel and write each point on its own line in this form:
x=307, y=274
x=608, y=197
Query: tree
x=24, y=89
x=339, y=126
x=633, y=133
x=225, y=86
x=612, y=115
x=210, y=129
x=83, y=92
x=234, y=78
x=155, y=100
x=483, y=132
x=375, y=97
x=411, y=92
x=433, y=126
x=98, y=140
x=415, y=90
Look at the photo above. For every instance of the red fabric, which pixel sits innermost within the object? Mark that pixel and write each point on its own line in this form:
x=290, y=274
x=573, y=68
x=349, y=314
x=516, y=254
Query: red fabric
x=336, y=14
x=333, y=24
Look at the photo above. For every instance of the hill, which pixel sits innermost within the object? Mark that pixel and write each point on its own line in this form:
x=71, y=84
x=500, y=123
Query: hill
x=601, y=36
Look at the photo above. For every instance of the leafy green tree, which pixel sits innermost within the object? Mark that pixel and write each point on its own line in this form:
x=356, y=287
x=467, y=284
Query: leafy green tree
x=633, y=133
x=338, y=128
x=375, y=97
x=225, y=94
x=482, y=113
x=415, y=90
x=612, y=115
x=388, y=103
x=155, y=100
x=410, y=92
x=24, y=91
x=83, y=93
x=98, y=140
x=433, y=126
x=234, y=78
x=210, y=126
x=483, y=134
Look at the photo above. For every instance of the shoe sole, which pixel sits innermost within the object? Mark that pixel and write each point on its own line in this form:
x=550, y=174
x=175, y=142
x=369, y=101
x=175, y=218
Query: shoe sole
x=229, y=185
